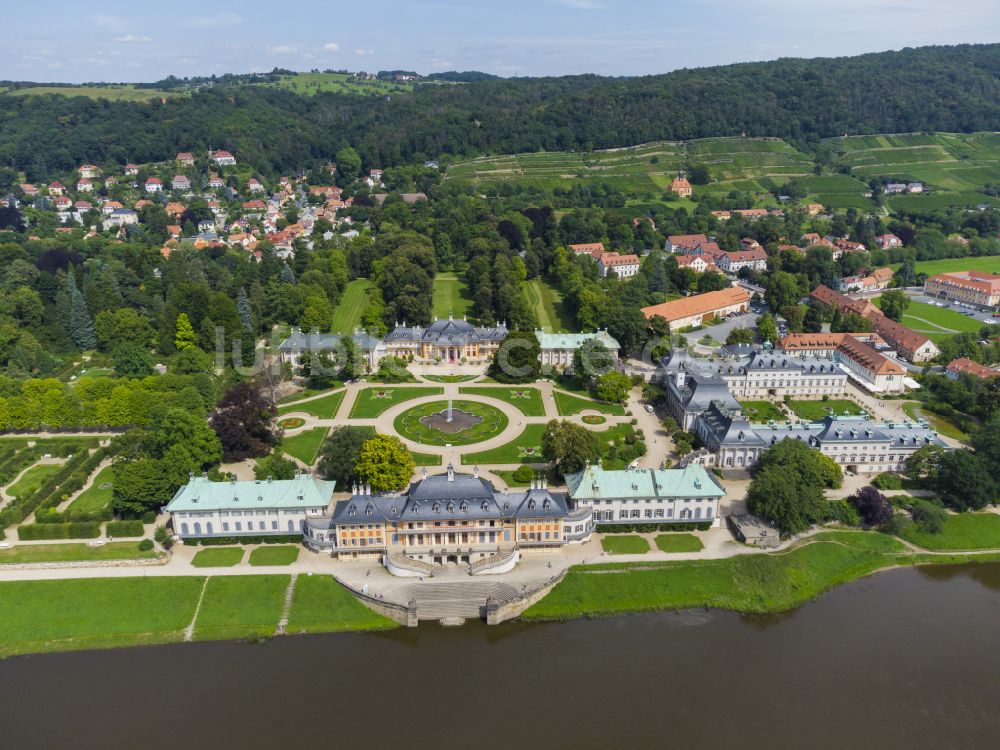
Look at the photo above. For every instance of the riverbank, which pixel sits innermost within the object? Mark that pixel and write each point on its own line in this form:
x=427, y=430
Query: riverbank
x=752, y=584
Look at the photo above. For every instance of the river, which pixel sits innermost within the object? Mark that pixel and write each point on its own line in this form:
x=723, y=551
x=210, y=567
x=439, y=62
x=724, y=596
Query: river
x=907, y=658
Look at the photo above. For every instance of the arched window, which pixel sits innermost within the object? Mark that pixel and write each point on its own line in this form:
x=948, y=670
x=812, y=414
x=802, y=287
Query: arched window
x=184, y=529
x=291, y=525
x=197, y=527
x=209, y=529
x=697, y=512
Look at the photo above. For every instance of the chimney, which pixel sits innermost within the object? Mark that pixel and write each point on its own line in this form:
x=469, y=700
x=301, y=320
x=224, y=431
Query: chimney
x=475, y=472
x=423, y=473
x=451, y=472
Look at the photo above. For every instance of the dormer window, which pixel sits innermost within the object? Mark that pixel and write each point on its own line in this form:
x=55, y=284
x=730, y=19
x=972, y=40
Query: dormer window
x=436, y=507
x=352, y=509
x=368, y=510
x=531, y=503
x=485, y=505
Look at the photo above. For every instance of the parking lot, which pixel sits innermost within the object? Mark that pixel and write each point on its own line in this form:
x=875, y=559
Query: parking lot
x=971, y=311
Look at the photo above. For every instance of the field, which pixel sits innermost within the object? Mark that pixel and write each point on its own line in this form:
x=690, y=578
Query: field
x=988, y=263
x=965, y=531
x=66, y=615
x=39, y=553
x=625, y=544
x=567, y=404
x=525, y=448
x=527, y=399
x=321, y=605
x=240, y=607
x=747, y=583
x=32, y=479
x=678, y=543
x=814, y=411
x=310, y=84
x=112, y=93
x=283, y=554
x=451, y=297
x=937, y=322
x=324, y=408
x=95, y=498
x=218, y=557
x=370, y=402
x=304, y=446
x=761, y=411
x=347, y=313
x=942, y=424
x=549, y=309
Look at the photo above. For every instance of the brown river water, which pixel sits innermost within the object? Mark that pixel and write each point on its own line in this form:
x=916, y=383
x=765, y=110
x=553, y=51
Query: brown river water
x=904, y=659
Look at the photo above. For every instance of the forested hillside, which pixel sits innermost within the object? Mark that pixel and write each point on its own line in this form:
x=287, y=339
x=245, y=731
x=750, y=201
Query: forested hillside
x=925, y=89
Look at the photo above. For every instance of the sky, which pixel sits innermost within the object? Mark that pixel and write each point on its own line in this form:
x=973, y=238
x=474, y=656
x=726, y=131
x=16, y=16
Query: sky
x=76, y=42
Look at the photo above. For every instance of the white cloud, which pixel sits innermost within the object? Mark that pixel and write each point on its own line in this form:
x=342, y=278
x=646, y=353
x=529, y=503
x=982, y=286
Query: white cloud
x=108, y=21
x=583, y=4
x=331, y=47
x=133, y=39
x=363, y=52
x=281, y=49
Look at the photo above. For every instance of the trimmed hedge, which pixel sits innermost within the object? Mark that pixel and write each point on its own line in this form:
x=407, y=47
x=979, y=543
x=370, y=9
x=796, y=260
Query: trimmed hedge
x=77, y=530
x=208, y=541
x=145, y=545
x=643, y=528
x=125, y=528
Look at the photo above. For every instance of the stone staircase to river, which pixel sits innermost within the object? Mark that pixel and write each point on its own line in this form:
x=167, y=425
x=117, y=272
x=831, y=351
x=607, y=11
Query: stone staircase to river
x=459, y=599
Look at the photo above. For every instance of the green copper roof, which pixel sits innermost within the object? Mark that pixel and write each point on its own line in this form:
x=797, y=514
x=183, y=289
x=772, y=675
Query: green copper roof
x=201, y=494
x=594, y=483
x=575, y=340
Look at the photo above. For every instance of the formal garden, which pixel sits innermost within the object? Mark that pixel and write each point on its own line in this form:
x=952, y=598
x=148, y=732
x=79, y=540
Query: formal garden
x=469, y=422
x=527, y=400
x=370, y=402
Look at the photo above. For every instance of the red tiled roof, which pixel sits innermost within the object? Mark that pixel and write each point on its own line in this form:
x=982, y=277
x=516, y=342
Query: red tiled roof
x=699, y=304
x=964, y=364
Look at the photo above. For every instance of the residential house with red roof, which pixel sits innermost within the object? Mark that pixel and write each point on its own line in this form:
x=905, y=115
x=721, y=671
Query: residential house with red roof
x=624, y=266
x=697, y=263
x=185, y=158
x=180, y=182
x=223, y=158
x=680, y=187
x=677, y=243
x=972, y=287
x=965, y=365
x=90, y=171
x=886, y=241
x=154, y=185
x=754, y=259
x=57, y=188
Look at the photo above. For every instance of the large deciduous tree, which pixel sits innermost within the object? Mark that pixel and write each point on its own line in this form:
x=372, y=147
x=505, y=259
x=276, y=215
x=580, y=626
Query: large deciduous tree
x=788, y=486
x=244, y=421
x=568, y=447
x=339, y=454
x=384, y=463
x=517, y=359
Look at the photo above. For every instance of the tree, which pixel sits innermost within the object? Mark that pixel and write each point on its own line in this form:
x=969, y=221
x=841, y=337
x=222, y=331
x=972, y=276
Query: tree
x=275, y=466
x=141, y=485
x=894, y=303
x=923, y=462
x=591, y=359
x=185, y=337
x=788, y=485
x=699, y=174
x=518, y=358
x=339, y=454
x=384, y=463
x=873, y=507
x=244, y=421
x=613, y=387
x=740, y=336
x=568, y=447
x=782, y=290
x=710, y=281
x=243, y=307
x=767, y=329
x=132, y=360
x=963, y=481
x=81, y=327
x=348, y=163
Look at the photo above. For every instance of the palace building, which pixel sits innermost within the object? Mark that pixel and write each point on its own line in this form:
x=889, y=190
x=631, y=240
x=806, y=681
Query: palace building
x=446, y=340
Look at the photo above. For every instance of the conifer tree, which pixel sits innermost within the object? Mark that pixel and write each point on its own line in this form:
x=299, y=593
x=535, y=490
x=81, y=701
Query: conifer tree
x=287, y=276
x=184, y=338
x=81, y=325
x=243, y=307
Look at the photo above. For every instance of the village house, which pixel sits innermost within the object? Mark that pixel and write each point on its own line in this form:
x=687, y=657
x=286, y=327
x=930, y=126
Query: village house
x=56, y=188
x=680, y=187
x=121, y=217
x=154, y=185
x=887, y=241
x=89, y=171
x=754, y=258
x=814, y=209
x=677, y=243
x=185, y=159
x=965, y=365
x=877, y=280
x=131, y=169
x=624, y=266
x=28, y=189
x=688, y=312
x=180, y=182
x=223, y=158
x=697, y=263
x=594, y=249
x=84, y=185
x=215, y=182
x=254, y=185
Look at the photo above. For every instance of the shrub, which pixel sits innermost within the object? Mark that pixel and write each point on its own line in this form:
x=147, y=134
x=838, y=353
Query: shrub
x=209, y=541
x=642, y=528
x=149, y=516
x=145, y=545
x=125, y=528
x=523, y=474
x=928, y=517
x=887, y=481
x=843, y=511
x=75, y=530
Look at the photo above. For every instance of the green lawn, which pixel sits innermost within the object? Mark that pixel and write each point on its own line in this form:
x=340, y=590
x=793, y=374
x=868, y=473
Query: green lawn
x=567, y=404
x=37, y=616
x=113, y=93
x=95, y=498
x=321, y=605
x=625, y=544
x=964, y=531
x=553, y=317
x=451, y=297
x=525, y=448
x=39, y=553
x=678, y=543
x=370, y=402
x=32, y=479
x=241, y=607
x=324, y=408
x=988, y=263
x=409, y=425
x=525, y=398
x=761, y=411
x=347, y=313
x=813, y=411
x=304, y=446
x=449, y=378
x=218, y=557
x=947, y=427
x=425, y=459
x=937, y=322
x=754, y=583
x=282, y=554
x=507, y=475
